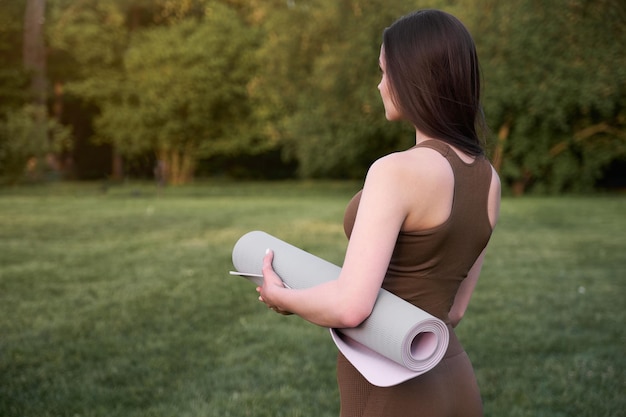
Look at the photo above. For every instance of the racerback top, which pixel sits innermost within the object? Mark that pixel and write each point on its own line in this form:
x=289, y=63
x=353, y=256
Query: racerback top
x=428, y=266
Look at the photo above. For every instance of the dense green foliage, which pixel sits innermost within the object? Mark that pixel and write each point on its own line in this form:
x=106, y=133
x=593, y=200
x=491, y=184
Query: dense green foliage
x=188, y=81
x=23, y=142
x=119, y=303
x=555, y=89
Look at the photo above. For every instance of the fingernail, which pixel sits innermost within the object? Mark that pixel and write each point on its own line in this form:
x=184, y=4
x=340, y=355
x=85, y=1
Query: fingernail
x=267, y=251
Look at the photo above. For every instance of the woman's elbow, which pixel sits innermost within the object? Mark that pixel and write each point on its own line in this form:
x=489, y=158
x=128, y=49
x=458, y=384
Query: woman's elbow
x=353, y=316
x=454, y=318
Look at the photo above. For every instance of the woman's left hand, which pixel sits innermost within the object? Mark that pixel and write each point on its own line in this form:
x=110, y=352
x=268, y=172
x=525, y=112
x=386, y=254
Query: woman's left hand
x=271, y=282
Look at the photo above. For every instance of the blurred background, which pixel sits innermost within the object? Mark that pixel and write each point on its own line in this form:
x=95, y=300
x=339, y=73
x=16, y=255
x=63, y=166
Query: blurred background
x=177, y=90
x=119, y=303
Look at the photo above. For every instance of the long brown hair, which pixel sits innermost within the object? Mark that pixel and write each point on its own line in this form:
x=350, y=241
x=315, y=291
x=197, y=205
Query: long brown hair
x=433, y=69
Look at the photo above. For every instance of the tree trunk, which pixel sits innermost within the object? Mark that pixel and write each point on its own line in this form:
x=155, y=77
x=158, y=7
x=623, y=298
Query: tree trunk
x=117, y=166
x=117, y=162
x=503, y=135
x=34, y=54
x=520, y=184
x=34, y=60
x=175, y=167
x=66, y=158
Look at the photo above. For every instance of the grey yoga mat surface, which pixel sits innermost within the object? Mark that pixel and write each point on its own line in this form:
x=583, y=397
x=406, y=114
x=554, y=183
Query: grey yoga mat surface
x=398, y=341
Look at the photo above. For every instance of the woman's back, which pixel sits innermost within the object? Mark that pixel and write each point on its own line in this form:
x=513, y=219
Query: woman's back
x=427, y=268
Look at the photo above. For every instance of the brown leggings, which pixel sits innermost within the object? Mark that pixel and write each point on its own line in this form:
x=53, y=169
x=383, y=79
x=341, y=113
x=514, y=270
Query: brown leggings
x=448, y=390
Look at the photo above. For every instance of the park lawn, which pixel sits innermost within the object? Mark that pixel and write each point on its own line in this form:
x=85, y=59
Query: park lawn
x=117, y=302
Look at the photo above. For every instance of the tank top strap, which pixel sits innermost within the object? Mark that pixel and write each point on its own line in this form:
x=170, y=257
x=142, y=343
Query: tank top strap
x=439, y=146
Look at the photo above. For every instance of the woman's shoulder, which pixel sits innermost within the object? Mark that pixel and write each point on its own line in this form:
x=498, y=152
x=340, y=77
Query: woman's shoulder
x=416, y=180
x=419, y=181
x=419, y=163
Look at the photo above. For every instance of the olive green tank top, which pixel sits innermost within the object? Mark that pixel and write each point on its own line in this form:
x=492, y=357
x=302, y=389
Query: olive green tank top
x=428, y=266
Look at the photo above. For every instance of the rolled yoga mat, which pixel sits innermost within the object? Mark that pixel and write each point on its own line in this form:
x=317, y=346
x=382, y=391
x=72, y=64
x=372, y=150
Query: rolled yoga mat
x=397, y=342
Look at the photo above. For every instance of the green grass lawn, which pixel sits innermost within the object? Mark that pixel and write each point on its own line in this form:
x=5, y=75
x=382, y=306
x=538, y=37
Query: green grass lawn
x=119, y=303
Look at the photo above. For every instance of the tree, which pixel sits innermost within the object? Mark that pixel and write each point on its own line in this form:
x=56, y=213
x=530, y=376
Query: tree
x=169, y=78
x=30, y=140
x=555, y=83
x=183, y=92
x=13, y=76
x=300, y=77
x=23, y=146
x=320, y=84
x=34, y=54
x=88, y=40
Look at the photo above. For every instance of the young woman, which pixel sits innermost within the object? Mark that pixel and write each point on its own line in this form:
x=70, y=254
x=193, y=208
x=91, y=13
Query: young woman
x=420, y=226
